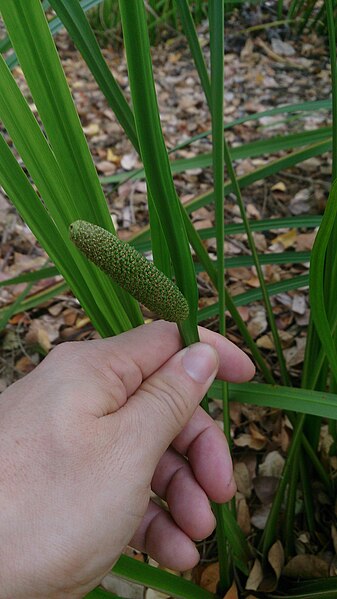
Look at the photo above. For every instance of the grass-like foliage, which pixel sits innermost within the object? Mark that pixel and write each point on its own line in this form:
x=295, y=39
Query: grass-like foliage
x=62, y=187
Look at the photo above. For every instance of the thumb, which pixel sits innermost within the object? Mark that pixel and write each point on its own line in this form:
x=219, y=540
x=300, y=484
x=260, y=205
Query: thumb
x=165, y=401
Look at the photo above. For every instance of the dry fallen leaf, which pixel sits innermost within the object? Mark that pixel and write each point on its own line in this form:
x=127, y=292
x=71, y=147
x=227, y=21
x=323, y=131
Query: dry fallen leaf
x=153, y=594
x=260, y=517
x=272, y=465
x=38, y=336
x=282, y=48
x=247, y=440
x=105, y=167
x=91, y=129
x=265, y=488
x=255, y=577
x=276, y=559
x=279, y=186
x=232, y=593
x=128, y=161
x=299, y=303
x=285, y=240
x=210, y=577
x=334, y=537
x=243, y=479
x=26, y=364
x=243, y=515
x=307, y=567
x=258, y=324
x=300, y=204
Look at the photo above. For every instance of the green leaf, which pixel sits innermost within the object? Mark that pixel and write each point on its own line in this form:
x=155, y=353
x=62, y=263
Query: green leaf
x=72, y=16
x=277, y=258
x=155, y=157
x=16, y=306
x=54, y=25
x=101, y=594
x=304, y=401
x=275, y=166
x=36, y=275
x=161, y=580
x=38, y=298
x=64, y=174
x=242, y=299
x=248, y=150
x=192, y=38
x=317, y=300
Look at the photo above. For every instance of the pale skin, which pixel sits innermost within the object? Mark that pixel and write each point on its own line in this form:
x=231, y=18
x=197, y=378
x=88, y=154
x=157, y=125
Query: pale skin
x=83, y=440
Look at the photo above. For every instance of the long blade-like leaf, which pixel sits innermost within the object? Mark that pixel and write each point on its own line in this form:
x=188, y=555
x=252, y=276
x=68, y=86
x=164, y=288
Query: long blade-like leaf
x=317, y=300
x=72, y=16
x=304, y=401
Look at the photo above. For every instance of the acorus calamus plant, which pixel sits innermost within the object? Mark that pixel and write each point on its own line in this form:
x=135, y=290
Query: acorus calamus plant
x=59, y=171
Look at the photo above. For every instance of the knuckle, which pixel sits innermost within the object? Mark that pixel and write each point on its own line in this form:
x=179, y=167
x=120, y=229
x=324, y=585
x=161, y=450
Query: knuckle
x=62, y=352
x=173, y=398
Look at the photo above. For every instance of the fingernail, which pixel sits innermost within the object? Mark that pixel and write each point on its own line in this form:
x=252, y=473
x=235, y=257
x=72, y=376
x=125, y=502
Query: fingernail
x=200, y=361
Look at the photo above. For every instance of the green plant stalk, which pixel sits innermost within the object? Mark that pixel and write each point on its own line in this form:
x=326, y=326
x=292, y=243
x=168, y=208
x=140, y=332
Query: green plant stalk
x=102, y=594
x=154, y=155
x=28, y=29
x=236, y=189
x=224, y=550
x=40, y=297
x=45, y=272
x=193, y=42
x=269, y=533
x=133, y=570
x=306, y=16
x=331, y=262
x=63, y=173
x=289, y=515
x=294, y=8
x=317, y=263
x=275, y=166
x=216, y=27
x=212, y=272
x=307, y=494
x=7, y=313
x=196, y=53
x=314, y=358
x=265, y=295
x=290, y=399
x=160, y=252
x=317, y=465
x=318, y=21
x=156, y=165
x=54, y=25
x=248, y=150
x=216, y=22
x=279, y=9
x=242, y=299
x=141, y=240
x=72, y=16
x=18, y=188
x=330, y=265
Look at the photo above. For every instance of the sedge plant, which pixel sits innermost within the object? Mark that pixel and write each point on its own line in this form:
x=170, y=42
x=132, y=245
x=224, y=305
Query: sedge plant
x=62, y=190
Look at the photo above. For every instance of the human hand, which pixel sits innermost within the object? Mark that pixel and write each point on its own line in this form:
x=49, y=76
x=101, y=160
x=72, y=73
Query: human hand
x=86, y=436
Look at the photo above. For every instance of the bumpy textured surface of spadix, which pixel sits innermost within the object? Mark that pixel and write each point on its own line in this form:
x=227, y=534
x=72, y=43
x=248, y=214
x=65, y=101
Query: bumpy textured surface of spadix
x=127, y=267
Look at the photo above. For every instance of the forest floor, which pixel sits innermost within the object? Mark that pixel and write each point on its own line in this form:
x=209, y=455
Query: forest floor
x=264, y=68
